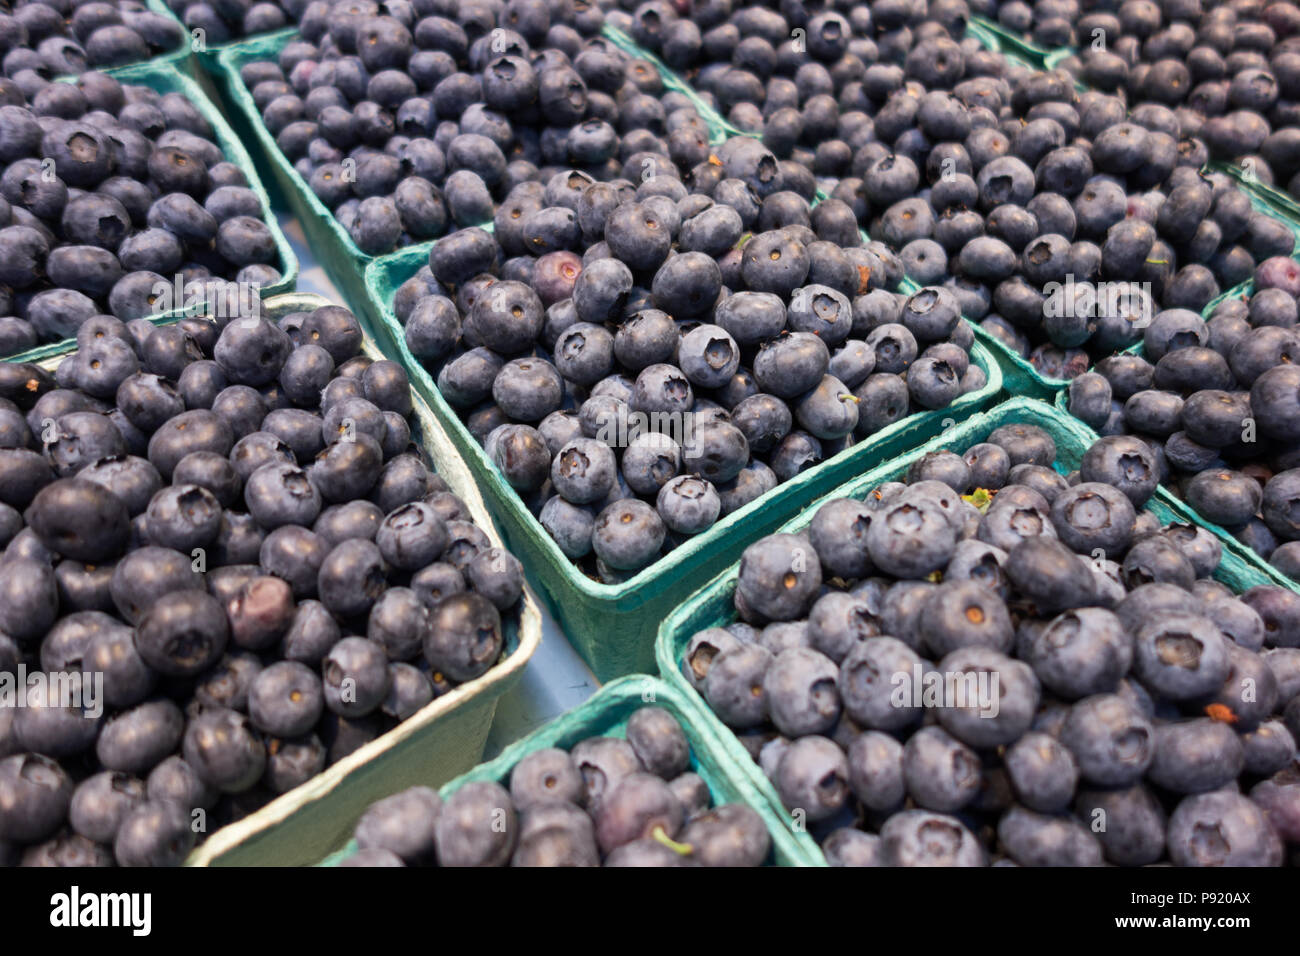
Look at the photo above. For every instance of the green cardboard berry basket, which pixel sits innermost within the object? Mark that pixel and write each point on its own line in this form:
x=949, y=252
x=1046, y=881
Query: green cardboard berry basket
x=167, y=78
x=612, y=626
x=445, y=738
x=712, y=605
x=606, y=714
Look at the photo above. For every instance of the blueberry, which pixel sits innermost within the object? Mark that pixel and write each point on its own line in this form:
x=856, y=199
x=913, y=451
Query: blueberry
x=291, y=763
x=1277, y=797
x=813, y=776
x=1268, y=748
x=1181, y=656
x=528, y=389
x=838, y=534
x=791, y=364
x=963, y=614
x=280, y=494
x=700, y=652
x=155, y=833
x=911, y=539
x=774, y=262
x=637, y=806
x=650, y=462
x=135, y=741
x=972, y=720
x=628, y=535
x=849, y=847
x=1195, y=756
x=496, y=575
x=1081, y=653
x=1222, y=829
x=779, y=577
x=397, y=623
x=729, y=835
x=1033, y=839
x=347, y=469
x=1042, y=772
x=224, y=751
x=334, y=329
x=692, y=792
x=403, y=824
x=183, y=517
x=412, y=537
x=465, y=638
x=1280, y=611
x=196, y=430
x=37, y=795
x=1280, y=505
x=1112, y=742
x=659, y=742
x=922, y=838
x=601, y=290
x=733, y=682
x=556, y=834
x=546, y=775
x=355, y=676
x=800, y=686
x=867, y=698
x=1197, y=544
x=1048, y=573
x=895, y=347
x=79, y=519
x=465, y=831
x=584, y=471
x=1155, y=559
x=175, y=780
x=943, y=466
x=285, y=699
x=829, y=410
x=79, y=438
x=688, y=505
x=227, y=683
x=182, y=633
x=31, y=600
x=100, y=804
x=352, y=577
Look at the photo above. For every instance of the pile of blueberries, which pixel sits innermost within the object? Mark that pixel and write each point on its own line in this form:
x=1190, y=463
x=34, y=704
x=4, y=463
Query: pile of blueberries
x=42, y=39
x=988, y=660
x=642, y=358
x=1218, y=404
x=1231, y=71
x=1064, y=228
x=231, y=524
x=405, y=123
x=109, y=191
x=809, y=77
x=993, y=179
x=608, y=801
